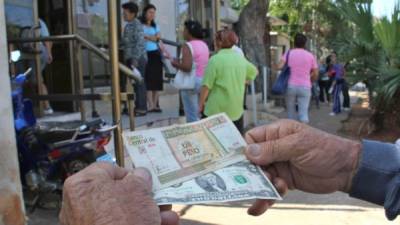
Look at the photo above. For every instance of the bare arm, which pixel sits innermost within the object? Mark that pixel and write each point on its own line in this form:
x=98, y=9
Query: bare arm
x=203, y=97
x=49, y=47
x=314, y=74
x=154, y=38
x=186, y=63
x=280, y=65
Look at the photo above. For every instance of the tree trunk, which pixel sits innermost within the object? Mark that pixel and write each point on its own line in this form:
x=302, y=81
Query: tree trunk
x=252, y=32
x=251, y=29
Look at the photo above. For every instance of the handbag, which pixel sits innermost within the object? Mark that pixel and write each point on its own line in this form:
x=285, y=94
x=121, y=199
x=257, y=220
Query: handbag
x=281, y=84
x=186, y=80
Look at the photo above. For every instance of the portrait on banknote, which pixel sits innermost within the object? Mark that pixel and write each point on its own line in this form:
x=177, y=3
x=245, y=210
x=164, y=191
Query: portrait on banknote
x=211, y=182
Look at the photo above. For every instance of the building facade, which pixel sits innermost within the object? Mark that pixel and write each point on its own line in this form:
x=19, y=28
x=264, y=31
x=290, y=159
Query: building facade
x=89, y=20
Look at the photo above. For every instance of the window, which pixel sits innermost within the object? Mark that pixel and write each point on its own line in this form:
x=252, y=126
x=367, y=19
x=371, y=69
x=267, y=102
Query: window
x=19, y=13
x=92, y=20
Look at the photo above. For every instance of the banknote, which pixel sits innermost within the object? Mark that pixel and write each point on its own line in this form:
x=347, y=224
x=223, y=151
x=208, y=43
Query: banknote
x=182, y=152
x=241, y=181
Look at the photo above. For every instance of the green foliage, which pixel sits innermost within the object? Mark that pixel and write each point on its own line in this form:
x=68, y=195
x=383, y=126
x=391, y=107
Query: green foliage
x=297, y=13
x=373, y=50
x=370, y=46
x=388, y=34
x=239, y=4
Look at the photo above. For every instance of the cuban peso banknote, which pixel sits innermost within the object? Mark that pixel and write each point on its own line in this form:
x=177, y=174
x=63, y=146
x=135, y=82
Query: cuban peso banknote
x=179, y=153
x=241, y=181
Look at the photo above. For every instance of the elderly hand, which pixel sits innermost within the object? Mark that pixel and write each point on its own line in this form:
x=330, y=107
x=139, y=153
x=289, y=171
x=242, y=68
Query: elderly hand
x=297, y=156
x=105, y=194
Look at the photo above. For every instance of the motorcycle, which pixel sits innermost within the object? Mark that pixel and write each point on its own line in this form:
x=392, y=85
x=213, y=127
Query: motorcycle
x=50, y=152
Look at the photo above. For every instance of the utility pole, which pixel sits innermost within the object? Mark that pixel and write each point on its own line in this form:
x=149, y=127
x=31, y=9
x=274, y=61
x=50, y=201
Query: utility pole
x=12, y=210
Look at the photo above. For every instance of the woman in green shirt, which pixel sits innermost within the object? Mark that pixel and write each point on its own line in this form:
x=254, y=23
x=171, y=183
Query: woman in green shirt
x=224, y=80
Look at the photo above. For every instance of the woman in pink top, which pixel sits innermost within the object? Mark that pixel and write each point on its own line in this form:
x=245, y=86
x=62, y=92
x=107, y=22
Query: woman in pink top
x=193, y=33
x=303, y=69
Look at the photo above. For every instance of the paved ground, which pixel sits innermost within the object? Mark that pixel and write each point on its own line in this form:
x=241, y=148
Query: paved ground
x=297, y=208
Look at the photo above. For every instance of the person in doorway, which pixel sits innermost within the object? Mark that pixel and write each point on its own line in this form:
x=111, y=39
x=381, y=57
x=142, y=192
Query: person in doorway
x=135, y=53
x=339, y=86
x=224, y=81
x=154, y=69
x=46, y=58
x=198, y=56
x=303, y=70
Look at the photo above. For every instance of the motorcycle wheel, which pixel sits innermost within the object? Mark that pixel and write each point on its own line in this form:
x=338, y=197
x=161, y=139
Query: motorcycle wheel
x=79, y=163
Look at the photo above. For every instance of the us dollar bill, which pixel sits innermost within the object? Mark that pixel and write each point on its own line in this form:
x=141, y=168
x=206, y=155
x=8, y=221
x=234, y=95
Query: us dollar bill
x=179, y=153
x=241, y=181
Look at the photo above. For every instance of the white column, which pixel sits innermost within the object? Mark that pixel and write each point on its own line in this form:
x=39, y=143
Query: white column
x=11, y=203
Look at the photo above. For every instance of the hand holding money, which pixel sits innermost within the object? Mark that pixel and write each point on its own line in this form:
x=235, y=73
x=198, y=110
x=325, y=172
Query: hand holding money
x=106, y=194
x=301, y=157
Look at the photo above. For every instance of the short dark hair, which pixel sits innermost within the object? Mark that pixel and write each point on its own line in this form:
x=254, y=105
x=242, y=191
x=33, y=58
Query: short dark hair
x=300, y=40
x=328, y=60
x=131, y=7
x=194, y=28
x=143, y=17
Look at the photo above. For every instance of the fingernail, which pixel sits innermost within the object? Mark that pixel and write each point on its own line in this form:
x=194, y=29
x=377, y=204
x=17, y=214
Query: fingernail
x=143, y=173
x=254, y=150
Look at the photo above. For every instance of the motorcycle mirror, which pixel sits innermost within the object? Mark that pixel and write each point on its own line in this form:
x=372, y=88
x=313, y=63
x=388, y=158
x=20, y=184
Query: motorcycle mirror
x=15, y=55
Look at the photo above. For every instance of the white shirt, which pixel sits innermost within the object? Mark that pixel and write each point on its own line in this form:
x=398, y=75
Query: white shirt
x=238, y=50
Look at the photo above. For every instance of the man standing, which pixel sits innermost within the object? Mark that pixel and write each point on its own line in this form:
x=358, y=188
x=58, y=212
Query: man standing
x=46, y=57
x=135, y=53
x=28, y=57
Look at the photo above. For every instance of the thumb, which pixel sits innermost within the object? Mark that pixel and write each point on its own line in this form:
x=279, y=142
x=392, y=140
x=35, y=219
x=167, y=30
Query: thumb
x=269, y=152
x=144, y=174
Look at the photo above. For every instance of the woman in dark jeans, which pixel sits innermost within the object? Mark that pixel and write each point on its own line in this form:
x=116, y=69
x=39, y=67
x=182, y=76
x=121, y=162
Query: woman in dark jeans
x=154, y=69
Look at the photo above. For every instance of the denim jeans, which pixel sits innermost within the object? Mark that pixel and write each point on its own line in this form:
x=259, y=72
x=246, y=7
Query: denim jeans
x=190, y=100
x=301, y=96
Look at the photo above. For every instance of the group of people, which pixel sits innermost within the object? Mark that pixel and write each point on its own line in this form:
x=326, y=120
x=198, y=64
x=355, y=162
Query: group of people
x=220, y=80
x=304, y=71
x=332, y=82
x=142, y=51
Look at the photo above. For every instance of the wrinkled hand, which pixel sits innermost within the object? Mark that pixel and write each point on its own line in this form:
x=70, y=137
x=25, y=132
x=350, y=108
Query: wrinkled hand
x=103, y=194
x=297, y=156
